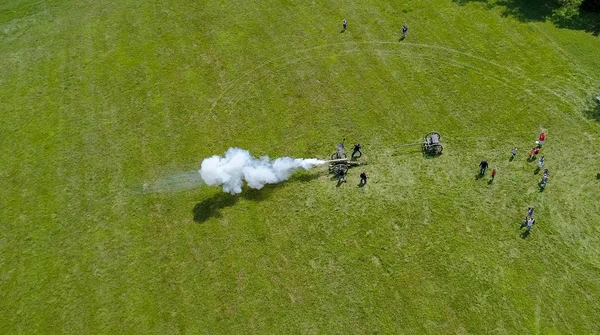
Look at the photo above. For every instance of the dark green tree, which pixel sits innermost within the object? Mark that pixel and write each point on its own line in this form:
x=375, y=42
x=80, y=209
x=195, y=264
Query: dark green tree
x=591, y=6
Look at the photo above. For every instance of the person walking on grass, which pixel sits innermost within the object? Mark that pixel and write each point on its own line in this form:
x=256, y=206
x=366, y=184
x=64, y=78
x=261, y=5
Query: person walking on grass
x=404, y=31
x=544, y=181
x=540, y=162
x=542, y=139
x=356, y=150
x=530, y=222
x=482, y=167
x=363, y=178
x=493, y=174
x=530, y=211
x=514, y=152
x=533, y=153
x=344, y=24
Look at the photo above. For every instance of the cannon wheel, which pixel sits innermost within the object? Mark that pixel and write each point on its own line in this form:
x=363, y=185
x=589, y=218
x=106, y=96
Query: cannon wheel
x=340, y=169
x=357, y=154
x=337, y=155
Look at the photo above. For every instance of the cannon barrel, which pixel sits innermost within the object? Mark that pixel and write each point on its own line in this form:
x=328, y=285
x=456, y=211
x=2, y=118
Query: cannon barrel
x=337, y=160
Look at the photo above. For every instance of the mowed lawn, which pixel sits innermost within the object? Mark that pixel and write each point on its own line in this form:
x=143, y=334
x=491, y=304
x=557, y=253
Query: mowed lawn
x=109, y=107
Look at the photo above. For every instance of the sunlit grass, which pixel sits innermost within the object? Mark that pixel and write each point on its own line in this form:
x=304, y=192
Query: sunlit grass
x=109, y=108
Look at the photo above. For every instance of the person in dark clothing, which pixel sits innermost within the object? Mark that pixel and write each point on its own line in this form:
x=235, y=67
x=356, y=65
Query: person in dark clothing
x=363, y=179
x=345, y=24
x=404, y=31
x=342, y=177
x=356, y=151
x=483, y=166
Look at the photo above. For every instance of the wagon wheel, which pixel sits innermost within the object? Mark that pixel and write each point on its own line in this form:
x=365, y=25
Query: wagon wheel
x=430, y=134
x=337, y=155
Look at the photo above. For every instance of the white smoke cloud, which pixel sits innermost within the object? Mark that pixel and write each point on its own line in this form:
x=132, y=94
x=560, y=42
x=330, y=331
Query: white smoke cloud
x=238, y=165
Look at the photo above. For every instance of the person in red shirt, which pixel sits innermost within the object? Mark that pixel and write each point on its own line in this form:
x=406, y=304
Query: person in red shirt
x=493, y=173
x=542, y=139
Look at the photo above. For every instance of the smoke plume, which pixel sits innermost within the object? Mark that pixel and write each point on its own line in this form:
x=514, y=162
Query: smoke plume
x=238, y=165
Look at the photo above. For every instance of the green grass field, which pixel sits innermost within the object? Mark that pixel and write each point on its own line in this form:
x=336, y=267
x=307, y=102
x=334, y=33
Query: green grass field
x=109, y=107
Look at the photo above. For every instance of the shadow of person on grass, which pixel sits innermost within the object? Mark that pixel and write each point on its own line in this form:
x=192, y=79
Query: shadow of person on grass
x=525, y=234
x=210, y=207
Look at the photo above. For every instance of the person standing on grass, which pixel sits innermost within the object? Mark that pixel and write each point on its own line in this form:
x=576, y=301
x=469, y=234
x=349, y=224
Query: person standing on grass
x=356, y=150
x=363, y=179
x=493, y=174
x=344, y=24
x=544, y=181
x=404, y=31
x=342, y=177
x=530, y=223
x=514, y=152
x=533, y=153
x=482, y=167
x=541, y=162
x=530, y=211
x=542, y=139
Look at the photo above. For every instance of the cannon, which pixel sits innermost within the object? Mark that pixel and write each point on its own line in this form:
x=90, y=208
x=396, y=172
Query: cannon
x=431, y=144
x=340, y=166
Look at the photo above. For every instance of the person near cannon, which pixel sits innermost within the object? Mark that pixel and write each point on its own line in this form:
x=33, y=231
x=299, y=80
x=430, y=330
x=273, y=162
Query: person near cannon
x=341, y=176
x=363, y=178
x=356, y=151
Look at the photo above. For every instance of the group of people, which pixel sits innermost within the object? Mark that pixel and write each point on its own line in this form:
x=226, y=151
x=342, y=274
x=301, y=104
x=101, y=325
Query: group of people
x=483, y=165
x=345, y=26
x=356, y=153
x=529, y=220
x=342, y=178
x=541, y=161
